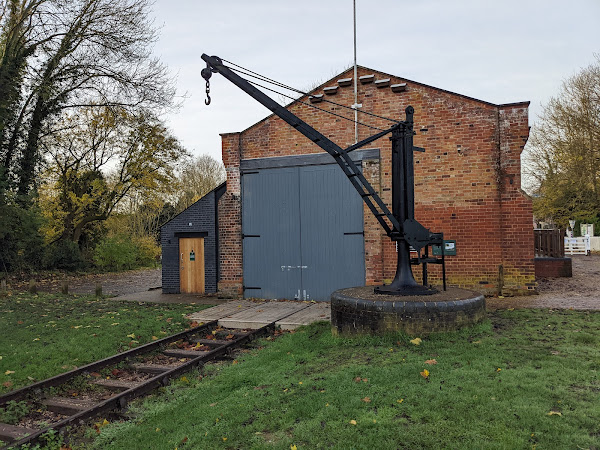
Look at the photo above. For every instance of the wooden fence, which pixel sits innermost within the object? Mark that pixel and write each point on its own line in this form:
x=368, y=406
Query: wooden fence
x=549, y=243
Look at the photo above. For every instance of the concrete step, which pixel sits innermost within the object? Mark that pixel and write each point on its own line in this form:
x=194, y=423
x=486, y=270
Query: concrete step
x=67, y=405
x=117, y=385
x=261, y=315
x=179, y=353
x=154, y=369
x=11, y=433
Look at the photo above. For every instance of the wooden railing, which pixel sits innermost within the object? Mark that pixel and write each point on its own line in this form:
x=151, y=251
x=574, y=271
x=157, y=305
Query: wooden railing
x=549, y=243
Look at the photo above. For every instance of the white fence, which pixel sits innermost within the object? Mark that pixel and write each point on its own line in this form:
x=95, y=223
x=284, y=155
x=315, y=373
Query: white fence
x=577, y=245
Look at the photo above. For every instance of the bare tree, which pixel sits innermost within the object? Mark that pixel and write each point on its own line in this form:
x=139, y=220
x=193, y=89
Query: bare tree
x=198, y=177
x=563, y=157
x=87, y=52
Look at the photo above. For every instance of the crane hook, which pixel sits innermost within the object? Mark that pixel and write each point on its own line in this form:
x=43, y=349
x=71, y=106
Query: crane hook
x=206, y=74
x=207, y=101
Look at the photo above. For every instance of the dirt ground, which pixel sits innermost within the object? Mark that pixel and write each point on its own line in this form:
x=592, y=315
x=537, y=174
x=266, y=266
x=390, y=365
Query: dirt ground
x=112, y=283
x=582, y=291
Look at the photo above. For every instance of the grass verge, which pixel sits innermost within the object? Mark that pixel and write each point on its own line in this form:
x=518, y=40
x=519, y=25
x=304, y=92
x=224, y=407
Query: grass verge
x=46, y=334
x=522, y=379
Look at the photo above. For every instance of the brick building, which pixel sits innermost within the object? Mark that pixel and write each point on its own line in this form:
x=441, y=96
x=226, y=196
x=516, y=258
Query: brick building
x=283, y=193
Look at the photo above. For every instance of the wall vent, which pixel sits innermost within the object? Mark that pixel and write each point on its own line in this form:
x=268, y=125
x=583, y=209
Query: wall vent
x=366, y=79
x=382, y=83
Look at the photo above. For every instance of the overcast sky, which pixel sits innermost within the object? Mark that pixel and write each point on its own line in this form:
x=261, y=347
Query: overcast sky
x=500, y=51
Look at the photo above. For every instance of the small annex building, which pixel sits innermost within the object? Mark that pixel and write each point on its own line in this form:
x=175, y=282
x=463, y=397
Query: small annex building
x=190, y=242
x=292, y=226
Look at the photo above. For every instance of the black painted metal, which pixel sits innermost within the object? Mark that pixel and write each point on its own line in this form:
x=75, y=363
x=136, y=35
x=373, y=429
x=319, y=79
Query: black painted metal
x=120, y=400
x=404, y=229
x=403, y=206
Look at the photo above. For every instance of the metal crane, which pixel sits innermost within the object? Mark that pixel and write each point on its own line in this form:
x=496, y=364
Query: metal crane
x=399, y=224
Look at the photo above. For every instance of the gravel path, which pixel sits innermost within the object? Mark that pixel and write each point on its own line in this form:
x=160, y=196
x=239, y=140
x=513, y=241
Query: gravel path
x=582, y=291
x=112, y=283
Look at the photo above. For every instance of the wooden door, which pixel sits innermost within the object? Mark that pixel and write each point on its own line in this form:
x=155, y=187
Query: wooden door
x=191, y=265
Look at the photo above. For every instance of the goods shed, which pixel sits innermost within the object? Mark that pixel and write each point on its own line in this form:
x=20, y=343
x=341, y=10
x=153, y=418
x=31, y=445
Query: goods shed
x=291, y=226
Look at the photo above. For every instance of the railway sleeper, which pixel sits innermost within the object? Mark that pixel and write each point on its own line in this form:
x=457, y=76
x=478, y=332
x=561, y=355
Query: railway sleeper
x=118, y=385
x=178, y=353
x=154, y=369
x=12, y=433
x=68, y=406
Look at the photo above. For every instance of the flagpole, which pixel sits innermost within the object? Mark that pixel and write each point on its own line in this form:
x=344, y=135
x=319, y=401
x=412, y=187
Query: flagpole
x=355, y=81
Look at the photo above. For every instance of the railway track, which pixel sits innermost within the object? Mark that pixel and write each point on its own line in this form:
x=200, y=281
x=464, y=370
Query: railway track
x=74, y=397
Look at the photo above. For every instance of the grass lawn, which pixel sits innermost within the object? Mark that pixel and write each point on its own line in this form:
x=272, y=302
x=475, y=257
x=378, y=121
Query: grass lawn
x=45, y=334
x=523, y=379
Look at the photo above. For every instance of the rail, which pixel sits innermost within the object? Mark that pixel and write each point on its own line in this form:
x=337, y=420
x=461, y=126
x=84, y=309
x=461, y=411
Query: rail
x=143, y=369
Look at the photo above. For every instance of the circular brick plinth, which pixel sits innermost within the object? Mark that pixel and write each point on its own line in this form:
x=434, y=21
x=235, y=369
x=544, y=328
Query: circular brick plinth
x=359, y=310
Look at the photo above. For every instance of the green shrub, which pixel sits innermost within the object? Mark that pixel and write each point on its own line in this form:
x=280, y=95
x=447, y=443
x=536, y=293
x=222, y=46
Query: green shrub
x=148, y=251
x=63, y=254
x=122, y=252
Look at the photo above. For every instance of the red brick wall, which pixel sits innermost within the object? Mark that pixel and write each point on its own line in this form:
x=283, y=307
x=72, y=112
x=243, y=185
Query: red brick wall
x=467, y=184
x=230, y=221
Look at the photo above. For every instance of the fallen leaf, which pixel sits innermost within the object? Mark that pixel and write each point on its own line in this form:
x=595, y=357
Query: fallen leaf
x=8, y=372
x=169, y=320
x=498, y=369
x=425, y=374
x=132, y=335
x=213, y=404
x=366, y=400
x=293, y=447
x=476, y=342
x=353, y=422
x=357, y=379
x=95, y=374
x=116, y=323
x=400, y=400
x=416, y=341
x=554, y=413
x=7, y=384
x=431, y=362
x=365, y=380
x=154, y=338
